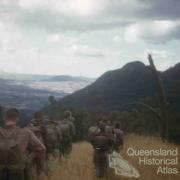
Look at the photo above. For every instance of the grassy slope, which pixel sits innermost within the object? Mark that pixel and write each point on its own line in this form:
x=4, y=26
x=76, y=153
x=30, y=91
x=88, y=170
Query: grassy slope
x=79, y=165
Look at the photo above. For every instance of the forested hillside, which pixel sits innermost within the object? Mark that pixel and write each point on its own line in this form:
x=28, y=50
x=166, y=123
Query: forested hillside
x=120, y=95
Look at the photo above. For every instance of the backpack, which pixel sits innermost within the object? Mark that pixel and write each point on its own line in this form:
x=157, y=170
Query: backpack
x=101, y=142
x=11, y=156
x=37, y=131
x=65, y=131
x=51, y=136
x=91, y=131
x=118, y=136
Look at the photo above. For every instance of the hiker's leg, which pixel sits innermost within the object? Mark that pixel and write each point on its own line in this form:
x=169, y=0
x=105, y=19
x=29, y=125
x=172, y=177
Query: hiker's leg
x=69, y=148
x=1, y=173
x=28, y=171
x=103, y=161
x=16, y=175
x=40, y=166
x=97, y=163
x=106, y=167
x=63, y=148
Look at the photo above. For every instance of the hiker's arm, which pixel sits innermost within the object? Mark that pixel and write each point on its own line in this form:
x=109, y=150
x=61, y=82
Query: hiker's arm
x=44, y=134
x=73, y=129
x=38, y=148
x=122, y=139
x=58, y=130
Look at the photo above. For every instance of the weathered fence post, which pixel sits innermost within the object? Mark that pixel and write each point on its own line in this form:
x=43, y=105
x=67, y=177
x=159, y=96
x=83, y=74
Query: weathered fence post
x=162, y=100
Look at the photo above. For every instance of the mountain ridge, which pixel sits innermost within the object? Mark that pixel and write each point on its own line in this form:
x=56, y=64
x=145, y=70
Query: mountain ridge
x=131, y=83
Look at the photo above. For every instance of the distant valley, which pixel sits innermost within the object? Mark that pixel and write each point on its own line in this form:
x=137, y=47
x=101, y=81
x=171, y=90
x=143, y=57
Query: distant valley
x=30, y=92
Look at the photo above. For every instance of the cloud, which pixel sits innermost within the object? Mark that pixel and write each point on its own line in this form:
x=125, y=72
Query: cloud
x=85, y=51
x=87, y=15
x=10, y=39
x=162, y=58
x=157, y=54
x=146, y=9
x=81, y=32
x=61, y=38
x=117, y=39
x=162, y=9
x=67, y=7
x=158, y=31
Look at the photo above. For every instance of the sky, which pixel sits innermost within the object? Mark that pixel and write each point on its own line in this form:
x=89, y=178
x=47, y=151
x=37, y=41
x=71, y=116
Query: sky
x=87, y=37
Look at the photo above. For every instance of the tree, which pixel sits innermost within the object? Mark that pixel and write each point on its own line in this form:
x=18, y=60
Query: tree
x=162, y=100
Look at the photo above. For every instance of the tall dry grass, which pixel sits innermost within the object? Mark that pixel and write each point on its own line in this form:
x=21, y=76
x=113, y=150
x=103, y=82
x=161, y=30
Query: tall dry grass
x=79, y=165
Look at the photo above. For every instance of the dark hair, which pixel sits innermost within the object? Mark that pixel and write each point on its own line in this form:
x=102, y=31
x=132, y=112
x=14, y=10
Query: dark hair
x=67, y=114
x=51, y=99
x=12, y=114
x=102, y=126
x=117, y=125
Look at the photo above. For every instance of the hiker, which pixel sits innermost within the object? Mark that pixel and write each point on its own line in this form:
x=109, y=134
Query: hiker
x=2, y=111
x=15, y=156
x=53, y=110
x=53, y=138
x=52, y=100
x=109, y=129
x=37, y=125
x=68, y=115
x=53, y=141
x=67, y=131
x=93, y=130
x=118, y=137
x=101, y=142
x=59, y=134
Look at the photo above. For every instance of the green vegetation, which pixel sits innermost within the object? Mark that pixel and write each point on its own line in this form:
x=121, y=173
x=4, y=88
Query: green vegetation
x=128, y=96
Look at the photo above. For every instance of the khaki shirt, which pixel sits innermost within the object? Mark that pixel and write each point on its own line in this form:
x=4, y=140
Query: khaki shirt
x=71, y=125
x=25, y=138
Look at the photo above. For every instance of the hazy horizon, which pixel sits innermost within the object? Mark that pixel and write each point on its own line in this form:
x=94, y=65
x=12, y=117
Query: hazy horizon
x=87, y=37
x=93, y=77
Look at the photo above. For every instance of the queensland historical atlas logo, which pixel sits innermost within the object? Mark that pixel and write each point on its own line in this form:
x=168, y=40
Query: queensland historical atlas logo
x=166, y=160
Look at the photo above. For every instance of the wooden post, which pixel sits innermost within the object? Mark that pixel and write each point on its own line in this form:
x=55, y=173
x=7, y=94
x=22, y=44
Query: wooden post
x=162, y=100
